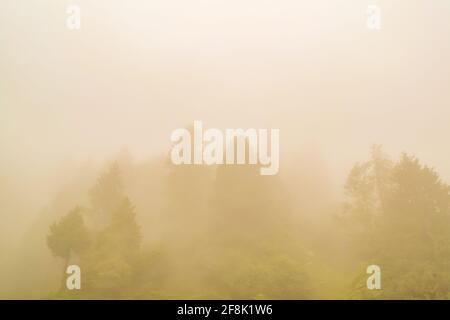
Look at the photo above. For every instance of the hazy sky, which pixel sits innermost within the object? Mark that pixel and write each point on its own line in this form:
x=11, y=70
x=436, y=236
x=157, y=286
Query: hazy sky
x=139, y=69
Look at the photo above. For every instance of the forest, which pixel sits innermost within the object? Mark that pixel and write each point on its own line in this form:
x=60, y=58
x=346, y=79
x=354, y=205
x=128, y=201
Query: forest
x=355, y=92
x=154, y=230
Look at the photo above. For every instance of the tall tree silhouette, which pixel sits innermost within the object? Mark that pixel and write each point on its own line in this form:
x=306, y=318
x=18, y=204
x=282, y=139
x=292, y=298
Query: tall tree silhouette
x=409, y=234
x=68, y=236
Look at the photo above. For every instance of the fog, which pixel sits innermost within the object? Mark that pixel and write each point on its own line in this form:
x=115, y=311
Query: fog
x=74, y=101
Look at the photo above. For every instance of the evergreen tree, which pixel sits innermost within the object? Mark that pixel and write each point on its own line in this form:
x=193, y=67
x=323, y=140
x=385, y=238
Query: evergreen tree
x=408, y=235
x=106, y=195
x=68, y=236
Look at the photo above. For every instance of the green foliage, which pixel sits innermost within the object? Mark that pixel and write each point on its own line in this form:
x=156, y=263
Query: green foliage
x=228, y=233
x=110, y=261
x=241, y=274
x=122, y=235
x=69, y=235
x=106, y=195
x=405, y=228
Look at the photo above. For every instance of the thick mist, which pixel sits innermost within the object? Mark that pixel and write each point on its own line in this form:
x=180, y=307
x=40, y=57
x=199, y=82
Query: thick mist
x=73, y=103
